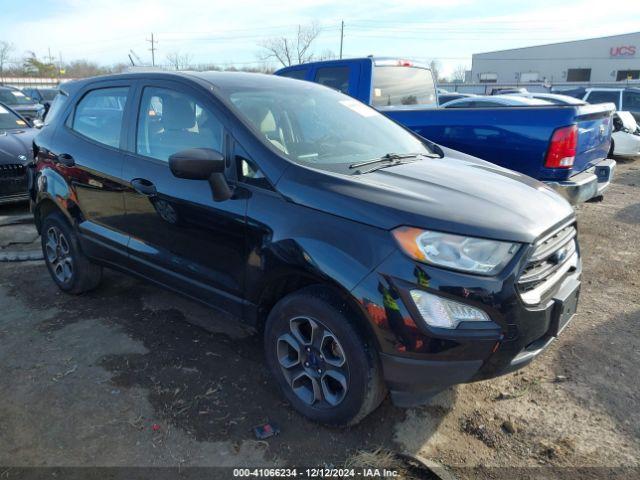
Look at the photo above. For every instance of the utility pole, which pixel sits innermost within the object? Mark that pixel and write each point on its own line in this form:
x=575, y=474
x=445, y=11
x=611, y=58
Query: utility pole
x=341, y=37
x=153, y=50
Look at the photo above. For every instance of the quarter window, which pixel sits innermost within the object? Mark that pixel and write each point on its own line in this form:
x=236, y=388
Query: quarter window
x=248, y=171
x=98, y=115
x=170, y=121
x=334, y=77
x=299, y=74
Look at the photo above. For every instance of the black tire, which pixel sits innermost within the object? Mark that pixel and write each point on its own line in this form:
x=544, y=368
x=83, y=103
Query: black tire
x=70, y=269
x=345, y=400
x=611, y=149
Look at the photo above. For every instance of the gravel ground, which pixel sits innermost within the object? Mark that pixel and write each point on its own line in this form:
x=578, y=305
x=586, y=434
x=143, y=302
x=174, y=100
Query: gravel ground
x=118, y=378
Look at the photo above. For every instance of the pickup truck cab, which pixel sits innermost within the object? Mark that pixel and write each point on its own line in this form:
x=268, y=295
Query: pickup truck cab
x=563, y=146
x=368, y=258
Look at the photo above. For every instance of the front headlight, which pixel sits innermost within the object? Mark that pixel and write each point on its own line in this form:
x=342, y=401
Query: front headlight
x=467, y=254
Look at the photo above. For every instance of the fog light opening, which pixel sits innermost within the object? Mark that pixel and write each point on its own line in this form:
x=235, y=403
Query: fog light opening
x=440, y=312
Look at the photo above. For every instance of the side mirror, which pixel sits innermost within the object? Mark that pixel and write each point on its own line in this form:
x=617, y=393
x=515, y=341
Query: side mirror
x=202, y=164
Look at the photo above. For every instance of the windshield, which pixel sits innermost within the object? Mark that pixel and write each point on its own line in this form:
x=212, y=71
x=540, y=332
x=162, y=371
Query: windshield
x=399, y=86
x=9, y=120
x=320, y=127
x=14, y=97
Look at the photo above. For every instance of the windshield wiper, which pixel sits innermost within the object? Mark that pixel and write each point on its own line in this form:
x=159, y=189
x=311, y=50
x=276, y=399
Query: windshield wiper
x=389, y=157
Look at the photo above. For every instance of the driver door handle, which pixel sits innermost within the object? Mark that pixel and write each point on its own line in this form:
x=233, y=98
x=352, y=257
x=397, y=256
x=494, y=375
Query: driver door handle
x=143, y=186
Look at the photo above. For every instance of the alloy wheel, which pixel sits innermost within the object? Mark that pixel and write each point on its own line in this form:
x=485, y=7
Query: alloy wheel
x=58, y=254
x=313, y=362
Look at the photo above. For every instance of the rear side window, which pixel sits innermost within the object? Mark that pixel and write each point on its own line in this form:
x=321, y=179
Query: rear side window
x=98, y=115
x=170, y=121
x=334, y=77
x=299, y=74
x=400, y=85
x=604, y=97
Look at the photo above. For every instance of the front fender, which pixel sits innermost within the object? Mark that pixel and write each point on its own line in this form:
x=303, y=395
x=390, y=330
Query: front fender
x=289, y=239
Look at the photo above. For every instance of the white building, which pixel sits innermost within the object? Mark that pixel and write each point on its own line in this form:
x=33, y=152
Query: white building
x=596, y=60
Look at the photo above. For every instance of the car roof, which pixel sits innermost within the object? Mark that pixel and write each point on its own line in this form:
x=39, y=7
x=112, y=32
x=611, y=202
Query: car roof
x=224, y=81
x=507, y=100
x=613, y=89
x=555, y=96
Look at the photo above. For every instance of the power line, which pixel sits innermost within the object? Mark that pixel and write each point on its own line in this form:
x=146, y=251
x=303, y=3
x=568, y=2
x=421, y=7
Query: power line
x=341, y=36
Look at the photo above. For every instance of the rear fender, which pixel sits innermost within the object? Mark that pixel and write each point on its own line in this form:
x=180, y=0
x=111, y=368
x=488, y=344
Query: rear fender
x=51, y=188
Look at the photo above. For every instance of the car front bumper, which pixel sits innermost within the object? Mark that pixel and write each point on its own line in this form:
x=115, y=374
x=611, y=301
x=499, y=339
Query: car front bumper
x=588, y=184
x=419, y=361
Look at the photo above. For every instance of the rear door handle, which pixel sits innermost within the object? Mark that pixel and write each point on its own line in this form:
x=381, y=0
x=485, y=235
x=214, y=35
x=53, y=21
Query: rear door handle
x=65, y=159
x=143, y=186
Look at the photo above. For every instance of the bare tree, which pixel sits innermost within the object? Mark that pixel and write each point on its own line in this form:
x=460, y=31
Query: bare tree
x=327, y=54
x=179, y=61
x=459, y=74
x=291, y=51
x=6, y=49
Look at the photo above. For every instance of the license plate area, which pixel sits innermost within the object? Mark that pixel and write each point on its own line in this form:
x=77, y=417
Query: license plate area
x=564, y=309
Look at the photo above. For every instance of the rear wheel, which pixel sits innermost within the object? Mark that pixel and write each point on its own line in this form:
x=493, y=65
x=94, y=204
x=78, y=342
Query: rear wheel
x=72, y=271
x=320, y=360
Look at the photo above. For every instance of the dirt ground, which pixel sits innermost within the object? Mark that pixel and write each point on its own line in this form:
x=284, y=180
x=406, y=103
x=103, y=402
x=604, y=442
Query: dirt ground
x=117, y=377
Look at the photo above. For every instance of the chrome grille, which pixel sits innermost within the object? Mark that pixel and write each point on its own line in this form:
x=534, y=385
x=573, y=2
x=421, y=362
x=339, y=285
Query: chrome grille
x=552, y=257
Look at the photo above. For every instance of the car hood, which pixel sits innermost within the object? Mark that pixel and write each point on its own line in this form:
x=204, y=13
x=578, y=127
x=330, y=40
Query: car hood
x=628, y=120
x=14, y=143
x=456, y=194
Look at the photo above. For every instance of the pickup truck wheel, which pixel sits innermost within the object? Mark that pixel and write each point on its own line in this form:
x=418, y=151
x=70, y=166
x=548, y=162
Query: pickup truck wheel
x=323, y=365
x=69, y=267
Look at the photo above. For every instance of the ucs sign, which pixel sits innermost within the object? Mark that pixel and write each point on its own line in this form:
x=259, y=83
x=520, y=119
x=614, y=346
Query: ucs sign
x=623, y=51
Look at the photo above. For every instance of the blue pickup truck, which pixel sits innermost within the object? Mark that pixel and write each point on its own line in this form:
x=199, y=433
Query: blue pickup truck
x=563, y=146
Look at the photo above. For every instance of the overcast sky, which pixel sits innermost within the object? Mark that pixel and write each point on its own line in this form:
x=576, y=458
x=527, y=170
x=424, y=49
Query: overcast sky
x=230, y=32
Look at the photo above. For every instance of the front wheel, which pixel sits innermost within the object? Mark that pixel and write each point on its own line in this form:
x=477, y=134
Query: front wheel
x=322, y=363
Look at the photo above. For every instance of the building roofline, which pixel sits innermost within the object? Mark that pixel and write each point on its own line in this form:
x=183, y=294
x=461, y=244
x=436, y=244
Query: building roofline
x=555, y=43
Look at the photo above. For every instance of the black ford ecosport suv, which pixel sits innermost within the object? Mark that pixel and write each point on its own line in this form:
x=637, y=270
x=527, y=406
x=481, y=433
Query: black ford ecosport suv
x=369, y=258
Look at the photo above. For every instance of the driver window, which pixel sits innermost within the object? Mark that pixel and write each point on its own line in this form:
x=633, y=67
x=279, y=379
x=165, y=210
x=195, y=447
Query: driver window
x=171, y=121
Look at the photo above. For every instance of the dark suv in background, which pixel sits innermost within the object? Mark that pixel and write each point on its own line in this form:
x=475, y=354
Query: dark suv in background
x=369, y=258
